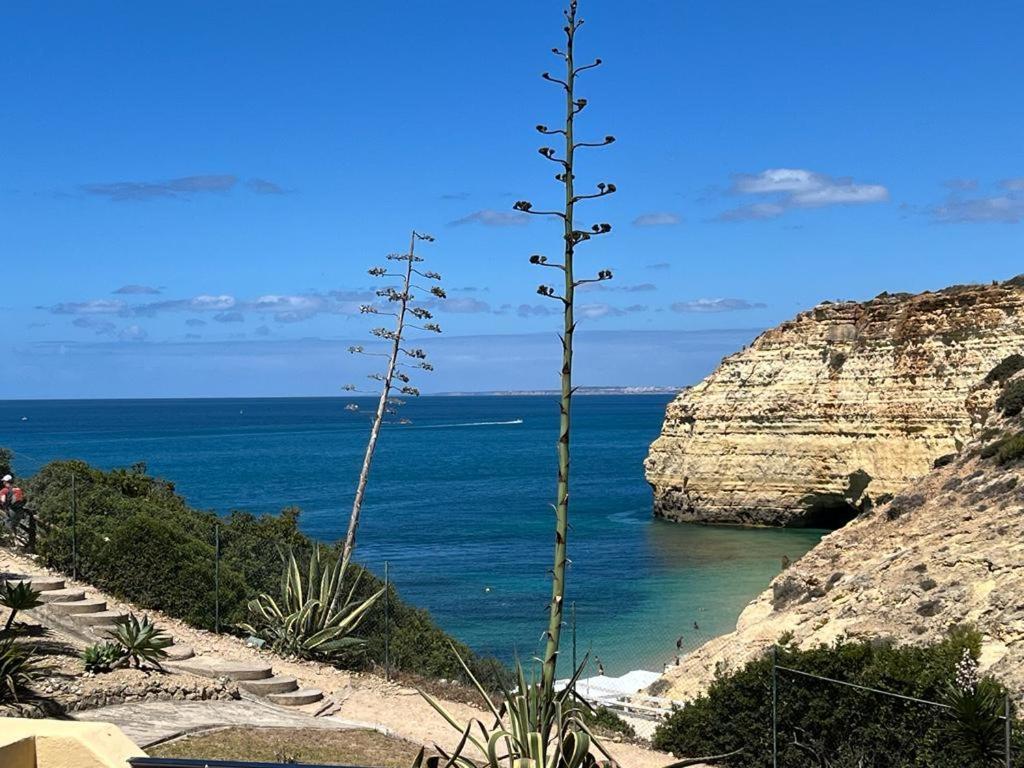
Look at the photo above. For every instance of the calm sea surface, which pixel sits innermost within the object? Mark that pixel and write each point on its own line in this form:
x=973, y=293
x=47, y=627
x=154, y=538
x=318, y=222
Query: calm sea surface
x=458, y=504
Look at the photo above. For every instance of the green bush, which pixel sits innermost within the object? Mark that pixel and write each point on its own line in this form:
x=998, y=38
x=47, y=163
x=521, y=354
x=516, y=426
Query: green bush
x=102, y=657
x=849, y=726
x=141, y=541
x=1005, y=369
x=1011, y=449
x=1011, y=401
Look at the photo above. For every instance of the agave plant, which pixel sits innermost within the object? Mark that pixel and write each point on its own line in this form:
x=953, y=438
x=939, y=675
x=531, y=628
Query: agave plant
x=18, y=669
x=17, y=597
x=315, y=616
x=102, y=657
x=531, y=728
x=141, y=641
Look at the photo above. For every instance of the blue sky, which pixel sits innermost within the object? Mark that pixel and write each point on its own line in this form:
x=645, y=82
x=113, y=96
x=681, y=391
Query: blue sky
x=190, y=192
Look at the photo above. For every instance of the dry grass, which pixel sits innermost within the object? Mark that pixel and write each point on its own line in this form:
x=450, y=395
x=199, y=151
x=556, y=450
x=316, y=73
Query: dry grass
x=347, y=747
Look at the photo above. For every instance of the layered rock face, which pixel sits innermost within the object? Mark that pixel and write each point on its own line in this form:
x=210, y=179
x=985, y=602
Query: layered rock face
x=947, y=551
x=834, y=411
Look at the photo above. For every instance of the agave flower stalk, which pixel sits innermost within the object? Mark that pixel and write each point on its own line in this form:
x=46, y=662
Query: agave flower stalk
x=408, y=315
x=572, y=237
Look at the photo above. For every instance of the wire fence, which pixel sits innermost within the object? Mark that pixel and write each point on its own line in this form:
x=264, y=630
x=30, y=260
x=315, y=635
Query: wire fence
x=401, y=642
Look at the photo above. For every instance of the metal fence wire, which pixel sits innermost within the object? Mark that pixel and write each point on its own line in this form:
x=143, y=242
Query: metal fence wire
x=786, y=726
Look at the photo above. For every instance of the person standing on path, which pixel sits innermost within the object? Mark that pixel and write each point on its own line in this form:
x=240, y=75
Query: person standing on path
x=12, y=503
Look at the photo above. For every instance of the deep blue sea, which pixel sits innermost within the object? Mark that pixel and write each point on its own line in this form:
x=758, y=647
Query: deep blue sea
x=458, y=505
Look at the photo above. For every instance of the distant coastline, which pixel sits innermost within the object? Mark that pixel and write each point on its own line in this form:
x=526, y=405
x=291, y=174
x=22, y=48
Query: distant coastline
x=579, y=391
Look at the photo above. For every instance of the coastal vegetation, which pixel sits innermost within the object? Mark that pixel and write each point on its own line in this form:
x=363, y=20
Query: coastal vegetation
x=850, y=726
x=1011, y=401
x=136, y=538
x=18, y=668
x=141, y=642
x=315, y=615
x=18, y=663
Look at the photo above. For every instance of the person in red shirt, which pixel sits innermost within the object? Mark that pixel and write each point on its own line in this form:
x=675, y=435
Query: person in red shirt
x=12, y=502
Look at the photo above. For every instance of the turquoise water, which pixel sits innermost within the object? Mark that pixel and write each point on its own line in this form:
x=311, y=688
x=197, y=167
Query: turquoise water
x=458, y=505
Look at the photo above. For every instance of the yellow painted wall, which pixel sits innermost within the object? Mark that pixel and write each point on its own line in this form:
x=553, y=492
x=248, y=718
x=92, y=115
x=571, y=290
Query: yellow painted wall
x=65, y=744
x=17, y=753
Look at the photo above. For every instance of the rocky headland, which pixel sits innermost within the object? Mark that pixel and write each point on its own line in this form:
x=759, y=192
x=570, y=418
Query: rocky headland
x=835, y=411
x=946, y=550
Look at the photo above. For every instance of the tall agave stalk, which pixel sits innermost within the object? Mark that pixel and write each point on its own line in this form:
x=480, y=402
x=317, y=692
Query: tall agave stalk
x=572, y=237
x=399, y=358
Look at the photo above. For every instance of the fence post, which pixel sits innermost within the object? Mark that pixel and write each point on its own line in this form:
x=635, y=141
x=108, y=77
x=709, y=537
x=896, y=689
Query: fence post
x=775, y=706
x=216, y=577
x=74, y=527
x=1008, y=727
x=387, y=626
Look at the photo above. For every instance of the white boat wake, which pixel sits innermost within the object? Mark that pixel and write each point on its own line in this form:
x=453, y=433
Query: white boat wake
x=467, y=424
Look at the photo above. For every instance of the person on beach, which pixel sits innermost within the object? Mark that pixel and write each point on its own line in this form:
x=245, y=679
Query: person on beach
x=12, y=503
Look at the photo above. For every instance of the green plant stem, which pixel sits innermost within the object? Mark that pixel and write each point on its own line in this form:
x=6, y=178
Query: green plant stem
x=565, y=403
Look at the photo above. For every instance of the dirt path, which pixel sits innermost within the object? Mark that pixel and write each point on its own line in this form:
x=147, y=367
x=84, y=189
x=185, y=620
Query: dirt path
x=150, y=722
x=364, y=698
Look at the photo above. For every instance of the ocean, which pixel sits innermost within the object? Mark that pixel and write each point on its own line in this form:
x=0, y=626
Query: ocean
x=459, y=506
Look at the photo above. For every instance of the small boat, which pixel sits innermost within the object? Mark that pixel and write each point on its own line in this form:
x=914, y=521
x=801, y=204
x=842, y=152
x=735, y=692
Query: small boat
x=24, y=418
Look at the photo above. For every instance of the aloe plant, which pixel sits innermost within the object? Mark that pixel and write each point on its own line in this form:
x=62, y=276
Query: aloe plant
x=530, y=728
x=572, y=237
x=17, y=597
x=102, y=657
x=141, y=641
x=18, y=668
x=315, y=616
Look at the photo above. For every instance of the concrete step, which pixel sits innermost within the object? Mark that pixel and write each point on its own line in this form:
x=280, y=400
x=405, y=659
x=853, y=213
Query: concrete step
x=79, y=606
x=207, y=666
x=41, y=583
x=66, y=595
x=276, y=684
x=103, y=630
x=101, y=618
x=297, y=698
x=179, y=653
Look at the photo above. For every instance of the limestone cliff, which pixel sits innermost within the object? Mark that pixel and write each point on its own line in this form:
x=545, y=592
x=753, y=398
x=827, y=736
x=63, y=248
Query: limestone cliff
x=833, y=411
x=947, y=550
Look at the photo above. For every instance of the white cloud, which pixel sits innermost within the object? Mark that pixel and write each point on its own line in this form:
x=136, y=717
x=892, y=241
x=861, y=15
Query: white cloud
x=716, y=305
x=133, y=333
x=137, y=290
x=789, y=188
x=492, y=218
x=463, y=305
x=1002, y=209
x=753, y=212
x=95, y=307
x=657, y=219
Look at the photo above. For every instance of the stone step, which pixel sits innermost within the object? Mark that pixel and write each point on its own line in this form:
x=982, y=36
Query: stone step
x=65, y=595
x=40, y=583
x=296, y=698
x=79, y=606
x=276, y=684
x=104, y=630
x=101, y=618
x=206, y=666
x=179, y=653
